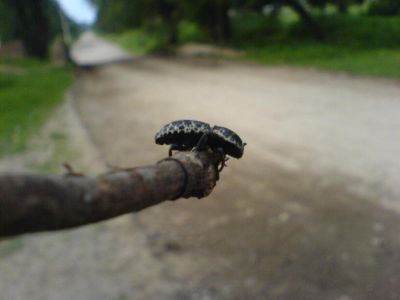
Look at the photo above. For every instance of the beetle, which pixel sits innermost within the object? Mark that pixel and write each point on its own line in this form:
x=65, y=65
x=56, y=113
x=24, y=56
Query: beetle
x=182, y=134
x=195, y=135
x=228, y=140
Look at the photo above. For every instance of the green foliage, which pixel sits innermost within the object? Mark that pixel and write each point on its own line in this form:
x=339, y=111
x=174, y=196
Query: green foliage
x=253, y=28
x=34, y=22
x=385, y=8
x=211, y=16
x=214, y=17
x=153, y=40
x=354, y=31
x=139, y=41
x=283, y=34
x=191, y=32
x=120, y=15
x=341, y=5
x=357, y=44
x=29, y=90
x=31, y=24
x=342, y=30
x=7, y=21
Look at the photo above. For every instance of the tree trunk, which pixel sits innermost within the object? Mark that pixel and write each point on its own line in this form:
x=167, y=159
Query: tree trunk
x=312, y=24
x=168, y=15
x=32, y=26
x=217, y=21
x=224, y=27
x=342, y=7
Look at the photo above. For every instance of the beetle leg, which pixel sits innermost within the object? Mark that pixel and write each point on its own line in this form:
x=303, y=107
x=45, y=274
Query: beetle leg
x=202, y=142
x=223, y=161
x=177, y=147
x=223, y=164
x=173, y=147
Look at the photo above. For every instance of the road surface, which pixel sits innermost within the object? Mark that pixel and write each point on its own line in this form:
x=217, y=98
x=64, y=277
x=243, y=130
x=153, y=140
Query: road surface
x=90, y=50
x=310, y=212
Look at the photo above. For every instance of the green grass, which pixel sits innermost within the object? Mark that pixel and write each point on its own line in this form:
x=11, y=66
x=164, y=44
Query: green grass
x=355, y=44
x=372, y=62
x=29, y=90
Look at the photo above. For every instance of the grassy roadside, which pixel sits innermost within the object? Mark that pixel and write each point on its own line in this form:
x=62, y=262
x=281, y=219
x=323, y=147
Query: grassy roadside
x=370, y=62
x=356, y=44
x=380, y=62
x=29, y=90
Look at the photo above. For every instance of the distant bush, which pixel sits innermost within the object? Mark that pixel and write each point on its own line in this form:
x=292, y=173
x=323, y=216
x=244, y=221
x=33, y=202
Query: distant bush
x=253, y=28
x=360, y=31
x=354, y=31
x=140, y=41
x=190, y=32
x=385, y=8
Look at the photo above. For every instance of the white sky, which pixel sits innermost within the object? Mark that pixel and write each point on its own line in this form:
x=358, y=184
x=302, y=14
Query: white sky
x=79, y=10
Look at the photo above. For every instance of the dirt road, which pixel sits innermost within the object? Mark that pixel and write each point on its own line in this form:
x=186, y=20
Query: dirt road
x=90, y=50
x=310, y=212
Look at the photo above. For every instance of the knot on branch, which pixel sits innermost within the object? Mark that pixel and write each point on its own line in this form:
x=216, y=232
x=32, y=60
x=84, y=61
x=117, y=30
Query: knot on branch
x=200, y=171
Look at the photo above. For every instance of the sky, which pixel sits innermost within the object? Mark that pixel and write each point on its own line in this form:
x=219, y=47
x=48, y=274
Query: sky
x=79, y=10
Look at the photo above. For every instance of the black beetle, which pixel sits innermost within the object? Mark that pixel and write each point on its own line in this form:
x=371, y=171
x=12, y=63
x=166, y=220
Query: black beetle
x=197, y=135
x=228, y=140
x=182, y=134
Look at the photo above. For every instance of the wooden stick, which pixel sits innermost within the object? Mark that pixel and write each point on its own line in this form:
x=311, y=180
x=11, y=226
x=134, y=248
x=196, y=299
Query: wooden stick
x=32, y=202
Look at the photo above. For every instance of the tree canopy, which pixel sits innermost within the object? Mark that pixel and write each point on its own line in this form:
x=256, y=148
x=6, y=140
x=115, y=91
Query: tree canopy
x=212, y=16
x=34, y=22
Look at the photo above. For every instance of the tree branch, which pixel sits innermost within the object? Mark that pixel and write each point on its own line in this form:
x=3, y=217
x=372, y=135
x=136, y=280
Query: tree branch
x=31, y=202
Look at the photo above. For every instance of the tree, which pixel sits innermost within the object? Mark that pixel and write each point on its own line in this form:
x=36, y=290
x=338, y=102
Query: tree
x=31, y=24
x=342, y=5
x=7, y=21
x=312, y=24
x=118, y=15
x=296, y=5
x=35, y=23
x=212, y=16
x=169, y=12
x=385, y=8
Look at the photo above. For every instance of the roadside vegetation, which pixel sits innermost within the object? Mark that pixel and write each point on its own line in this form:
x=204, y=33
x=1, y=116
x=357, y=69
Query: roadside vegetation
x=29, y=91
x=30, y=86
x=354, y=36
x=357, y=44
x=138, y=41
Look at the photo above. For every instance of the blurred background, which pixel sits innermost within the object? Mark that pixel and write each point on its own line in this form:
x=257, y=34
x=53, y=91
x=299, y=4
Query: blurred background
x=311, y=211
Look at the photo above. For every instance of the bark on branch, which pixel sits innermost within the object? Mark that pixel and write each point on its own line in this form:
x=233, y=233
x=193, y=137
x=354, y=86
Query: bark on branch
x=31, y=202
